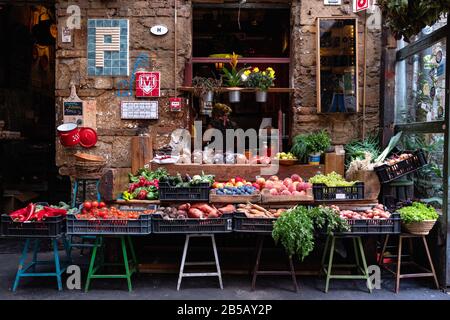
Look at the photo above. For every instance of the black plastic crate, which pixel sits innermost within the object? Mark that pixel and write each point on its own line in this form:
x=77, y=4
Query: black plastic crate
x=224, y=224
x=387, y=173
x=253, y=225
x=324, y=193
x=52, y=227
x=391, y=225
x=140, y=226
x=199, y=192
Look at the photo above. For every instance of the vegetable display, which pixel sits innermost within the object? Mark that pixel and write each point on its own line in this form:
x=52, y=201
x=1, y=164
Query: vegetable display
x=38, y=213
x=293, y=185
x=195, y=211
x=418, y=212
x=255, y=211
x=397, y=158
x=187, y=181
x=144, y=185
x=99, y=211
x=235, y=186
x=332, y=179
x=377, y=212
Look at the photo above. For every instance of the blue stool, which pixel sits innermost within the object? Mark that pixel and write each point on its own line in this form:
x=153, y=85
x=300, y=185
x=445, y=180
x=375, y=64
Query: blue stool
x=23, y=270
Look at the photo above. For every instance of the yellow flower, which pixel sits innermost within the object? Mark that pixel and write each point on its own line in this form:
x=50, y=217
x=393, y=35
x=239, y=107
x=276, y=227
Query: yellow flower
x=234, y=60
x=264, y=73
x=256, y=69
x=272, y=74
x=247, y=72
x=269, y=69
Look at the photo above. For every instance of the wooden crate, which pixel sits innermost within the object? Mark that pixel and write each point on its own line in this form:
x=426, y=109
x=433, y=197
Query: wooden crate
x=267, y=198
x=215, y=198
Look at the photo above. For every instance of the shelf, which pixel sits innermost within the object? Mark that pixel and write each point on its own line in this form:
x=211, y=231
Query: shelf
x=225, y=89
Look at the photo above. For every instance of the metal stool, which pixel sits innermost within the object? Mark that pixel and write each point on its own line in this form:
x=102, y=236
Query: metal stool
x=205, y=263
x=359, y=253
x=425, y=272
x=129, y=270
x=256, y=271
x=22, y=270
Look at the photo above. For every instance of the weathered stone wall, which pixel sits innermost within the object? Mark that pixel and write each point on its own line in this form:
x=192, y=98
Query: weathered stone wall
x=71, y=67
x=343, y=128
x=115, y=134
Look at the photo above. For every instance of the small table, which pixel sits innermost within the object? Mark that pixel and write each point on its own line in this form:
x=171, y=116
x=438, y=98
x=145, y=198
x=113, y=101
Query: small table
x=359, y=254
x=23, y=270
x=129, y=269
x=398, y=275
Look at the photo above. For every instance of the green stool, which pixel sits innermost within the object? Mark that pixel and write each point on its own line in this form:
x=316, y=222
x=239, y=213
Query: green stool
x=95, y=266
x=359, y=254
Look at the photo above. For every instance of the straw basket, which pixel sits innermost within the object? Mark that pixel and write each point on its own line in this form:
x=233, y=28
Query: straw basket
x=89, y=167
x=422, y=228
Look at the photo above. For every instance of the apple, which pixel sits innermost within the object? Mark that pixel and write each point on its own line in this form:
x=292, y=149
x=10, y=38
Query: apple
x=274, y=178
x=291, y=188
x=296, y=177
x=296, y=193
x=295, y=184
x=239, y=184
x=269, y=184
x=257, y=186
x=302, y=193
x=283, y=187
x=229, y=184
x=233, y=181
x=285, y=193
x=303, y=186
x=239, y=179
x=273, y=192
x=287, y=182
x=261, y=181
x=248, y=183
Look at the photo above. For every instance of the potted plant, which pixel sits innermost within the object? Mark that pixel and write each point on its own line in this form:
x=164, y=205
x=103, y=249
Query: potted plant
x=233, y=79
x=205, y=87
x=261, y=81
x=311, y=146
x=418, y=218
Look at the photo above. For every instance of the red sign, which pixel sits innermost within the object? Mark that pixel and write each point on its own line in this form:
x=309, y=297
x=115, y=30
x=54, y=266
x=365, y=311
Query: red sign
x=175, y=104
x=147, y=84
x=359, y=5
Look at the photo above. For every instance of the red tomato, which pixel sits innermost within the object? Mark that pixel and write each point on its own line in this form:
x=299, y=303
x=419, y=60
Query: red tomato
x=94, y=204
x=84, y=211
x=87, y=205
x=101, y=205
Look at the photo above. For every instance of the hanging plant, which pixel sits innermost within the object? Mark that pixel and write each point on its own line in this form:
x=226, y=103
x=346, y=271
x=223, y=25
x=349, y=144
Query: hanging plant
x=406, y=18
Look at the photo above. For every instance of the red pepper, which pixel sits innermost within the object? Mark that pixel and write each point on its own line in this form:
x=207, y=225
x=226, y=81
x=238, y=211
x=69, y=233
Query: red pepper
x=19, y=213
x=30, y=211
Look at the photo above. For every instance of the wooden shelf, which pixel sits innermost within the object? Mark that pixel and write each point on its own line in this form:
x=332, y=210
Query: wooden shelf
x=225, y=89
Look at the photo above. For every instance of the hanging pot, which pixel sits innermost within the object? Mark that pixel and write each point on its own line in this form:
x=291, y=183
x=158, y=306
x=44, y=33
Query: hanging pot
x=208, y=96
x=261, y=96
x=234, y=96
x=69, y=134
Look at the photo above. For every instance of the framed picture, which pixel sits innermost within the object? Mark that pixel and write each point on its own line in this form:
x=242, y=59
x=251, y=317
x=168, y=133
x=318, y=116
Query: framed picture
x=337, y=65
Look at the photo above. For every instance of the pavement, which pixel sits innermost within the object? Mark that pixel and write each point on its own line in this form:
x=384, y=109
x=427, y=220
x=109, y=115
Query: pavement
x=163, y=286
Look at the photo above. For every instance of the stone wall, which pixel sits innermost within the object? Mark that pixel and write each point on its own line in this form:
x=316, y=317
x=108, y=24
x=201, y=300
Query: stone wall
x=115, y=134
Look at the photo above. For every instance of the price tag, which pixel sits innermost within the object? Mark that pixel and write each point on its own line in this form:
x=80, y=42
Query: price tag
x=340, y=195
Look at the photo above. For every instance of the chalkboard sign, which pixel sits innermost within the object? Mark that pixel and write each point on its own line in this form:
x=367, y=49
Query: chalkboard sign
x=73, y=108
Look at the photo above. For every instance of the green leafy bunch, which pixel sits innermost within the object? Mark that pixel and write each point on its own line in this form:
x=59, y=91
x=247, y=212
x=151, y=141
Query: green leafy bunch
x=262, y=80
x=305, y=144
x=418, y=212
x=357, y=149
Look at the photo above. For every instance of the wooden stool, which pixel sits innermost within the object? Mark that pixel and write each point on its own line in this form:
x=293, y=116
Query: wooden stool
x=359, y=253
x=256, y=271
x=182, y=274
x=425, y=272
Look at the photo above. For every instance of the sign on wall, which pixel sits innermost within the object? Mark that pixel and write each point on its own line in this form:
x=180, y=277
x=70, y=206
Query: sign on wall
x=147, y=84
x=73, y=112
x=159, y=30
x=108, y=47
x=332, y=2
x=147, y=110
x=359, y=5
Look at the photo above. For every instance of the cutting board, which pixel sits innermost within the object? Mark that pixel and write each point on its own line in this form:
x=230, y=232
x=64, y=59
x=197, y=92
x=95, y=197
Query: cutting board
x=141, y=152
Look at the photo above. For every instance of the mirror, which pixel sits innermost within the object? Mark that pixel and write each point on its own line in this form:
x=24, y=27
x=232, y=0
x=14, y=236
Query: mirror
x=337, y=65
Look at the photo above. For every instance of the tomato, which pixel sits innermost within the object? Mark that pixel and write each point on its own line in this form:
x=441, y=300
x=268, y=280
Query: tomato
x=94, y=204
x=84, y=211
x=87, y=205
x=101, y=205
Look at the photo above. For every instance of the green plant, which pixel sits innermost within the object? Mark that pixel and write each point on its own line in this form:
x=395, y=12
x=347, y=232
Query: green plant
x=262, y=80
x=418, y=212
x=326, y=217
x=294, y=229
x=407, y=18
x=305, y=144
x=233, y=77
x=357, y=149
x=203, y=85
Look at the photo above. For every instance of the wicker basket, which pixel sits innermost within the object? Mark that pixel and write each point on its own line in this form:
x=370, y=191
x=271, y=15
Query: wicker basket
x=89, y=167
x=422, y=228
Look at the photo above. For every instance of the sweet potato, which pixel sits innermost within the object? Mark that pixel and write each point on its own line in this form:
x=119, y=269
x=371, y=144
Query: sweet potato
x=185, y=206
x=195, y=213
x=227, y=209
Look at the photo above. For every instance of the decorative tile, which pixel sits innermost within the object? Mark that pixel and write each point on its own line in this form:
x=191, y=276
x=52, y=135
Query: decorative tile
x=108, y=47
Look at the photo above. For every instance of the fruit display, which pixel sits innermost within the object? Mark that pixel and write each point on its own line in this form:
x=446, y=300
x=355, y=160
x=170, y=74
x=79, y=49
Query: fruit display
x=396, y=159
x=377, y=212
x=285, y=156
x=292, y=186
x=38, y=213
x=332, y=179
x=99, y=211
x=144, y=185
x=233, y=182
x=252, y=210
x=195, y=211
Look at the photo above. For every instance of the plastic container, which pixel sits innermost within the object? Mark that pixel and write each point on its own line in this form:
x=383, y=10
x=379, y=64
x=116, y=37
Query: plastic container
x=253, y=225
x=193, y=193
x=223, y=224
x=323, y=193
x=52, y=227
x=387, y=173
x=140, y=226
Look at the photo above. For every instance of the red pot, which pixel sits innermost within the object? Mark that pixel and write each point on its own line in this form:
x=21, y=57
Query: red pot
x=69, y=134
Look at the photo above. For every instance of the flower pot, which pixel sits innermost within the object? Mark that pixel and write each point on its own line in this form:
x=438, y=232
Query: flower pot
x=208, y=96
x=234, y=96
x=314, y=159
x=422, y=228
x=261, y=96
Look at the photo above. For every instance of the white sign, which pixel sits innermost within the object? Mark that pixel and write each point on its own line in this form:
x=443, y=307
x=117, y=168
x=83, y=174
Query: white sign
x=147, y=110
x=332, y=2
x=159, y=30
x=360, y=5
x=66, y=35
